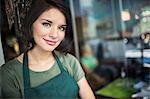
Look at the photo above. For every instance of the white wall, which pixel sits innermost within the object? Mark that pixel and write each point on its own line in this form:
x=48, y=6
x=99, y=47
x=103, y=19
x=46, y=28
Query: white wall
x=1, y=53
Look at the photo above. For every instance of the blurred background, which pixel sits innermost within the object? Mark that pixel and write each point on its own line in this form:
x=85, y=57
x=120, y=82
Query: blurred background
x=111, y=40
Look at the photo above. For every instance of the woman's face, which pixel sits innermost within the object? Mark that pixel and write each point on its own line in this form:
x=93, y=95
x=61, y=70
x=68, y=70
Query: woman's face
x=49, y=29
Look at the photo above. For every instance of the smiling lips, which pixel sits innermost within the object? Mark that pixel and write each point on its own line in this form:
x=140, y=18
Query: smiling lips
x=50, y=42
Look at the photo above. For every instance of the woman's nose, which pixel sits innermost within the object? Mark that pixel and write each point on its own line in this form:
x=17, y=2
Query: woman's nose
x=53, y=32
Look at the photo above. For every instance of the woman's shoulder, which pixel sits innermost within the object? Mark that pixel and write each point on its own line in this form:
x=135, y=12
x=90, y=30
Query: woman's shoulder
x=69, y=60
x=66, y=56
x=72, y=65
x=11, y=64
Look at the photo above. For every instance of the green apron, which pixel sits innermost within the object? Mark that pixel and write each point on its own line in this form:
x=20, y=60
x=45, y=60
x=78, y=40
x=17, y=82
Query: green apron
x=63, y=86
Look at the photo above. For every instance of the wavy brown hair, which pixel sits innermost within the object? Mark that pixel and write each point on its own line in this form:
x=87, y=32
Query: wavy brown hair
x=36, y=9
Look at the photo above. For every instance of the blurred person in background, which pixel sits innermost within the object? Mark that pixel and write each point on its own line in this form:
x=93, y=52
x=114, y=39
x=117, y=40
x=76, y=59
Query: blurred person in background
x=89, y=63
x=88, y=60
x=97, y=74
x=45, y=70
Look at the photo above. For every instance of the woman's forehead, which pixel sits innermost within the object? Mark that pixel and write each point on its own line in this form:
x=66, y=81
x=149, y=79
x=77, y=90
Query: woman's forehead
x=53, y=14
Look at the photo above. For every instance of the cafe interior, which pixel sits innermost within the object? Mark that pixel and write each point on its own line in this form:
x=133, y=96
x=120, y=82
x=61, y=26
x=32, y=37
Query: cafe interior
x=116, y=33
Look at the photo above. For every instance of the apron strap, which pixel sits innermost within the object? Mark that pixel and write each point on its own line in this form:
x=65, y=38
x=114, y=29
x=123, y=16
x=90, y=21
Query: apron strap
x=59, y=63
x=26, y=76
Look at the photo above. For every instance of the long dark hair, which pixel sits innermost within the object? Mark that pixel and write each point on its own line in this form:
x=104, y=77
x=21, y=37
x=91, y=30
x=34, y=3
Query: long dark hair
x=36, y=9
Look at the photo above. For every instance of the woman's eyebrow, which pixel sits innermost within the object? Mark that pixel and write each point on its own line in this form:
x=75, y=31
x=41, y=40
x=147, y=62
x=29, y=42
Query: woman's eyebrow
x=52, y=22
x=64, y=25
x=47, y=20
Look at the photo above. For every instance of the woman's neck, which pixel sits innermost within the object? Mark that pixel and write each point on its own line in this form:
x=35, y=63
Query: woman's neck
x=39, y=55
x=40, y=60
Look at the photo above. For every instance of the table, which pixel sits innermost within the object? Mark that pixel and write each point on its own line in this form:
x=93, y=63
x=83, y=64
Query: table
x=118, y=89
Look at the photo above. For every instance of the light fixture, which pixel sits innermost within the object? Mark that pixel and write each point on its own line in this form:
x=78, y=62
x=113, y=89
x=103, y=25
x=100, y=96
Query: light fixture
x=125, y=15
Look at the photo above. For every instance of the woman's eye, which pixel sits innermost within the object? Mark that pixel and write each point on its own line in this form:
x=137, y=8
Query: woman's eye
x=46, y=24
x=62, y=29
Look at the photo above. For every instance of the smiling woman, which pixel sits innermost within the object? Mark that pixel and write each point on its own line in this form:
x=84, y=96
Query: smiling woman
x=45, y=70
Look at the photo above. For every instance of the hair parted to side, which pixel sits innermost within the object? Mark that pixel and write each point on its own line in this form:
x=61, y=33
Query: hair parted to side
x=36, y=9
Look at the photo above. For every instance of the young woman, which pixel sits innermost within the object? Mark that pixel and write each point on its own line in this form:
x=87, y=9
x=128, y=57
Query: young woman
x=45, y=70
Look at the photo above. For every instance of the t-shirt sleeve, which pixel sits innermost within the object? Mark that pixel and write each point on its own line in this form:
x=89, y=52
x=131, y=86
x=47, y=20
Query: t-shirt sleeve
x=8, y=87
x=76, y=68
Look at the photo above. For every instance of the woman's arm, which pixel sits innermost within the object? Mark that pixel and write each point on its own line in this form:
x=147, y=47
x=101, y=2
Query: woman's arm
x=85, y=91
